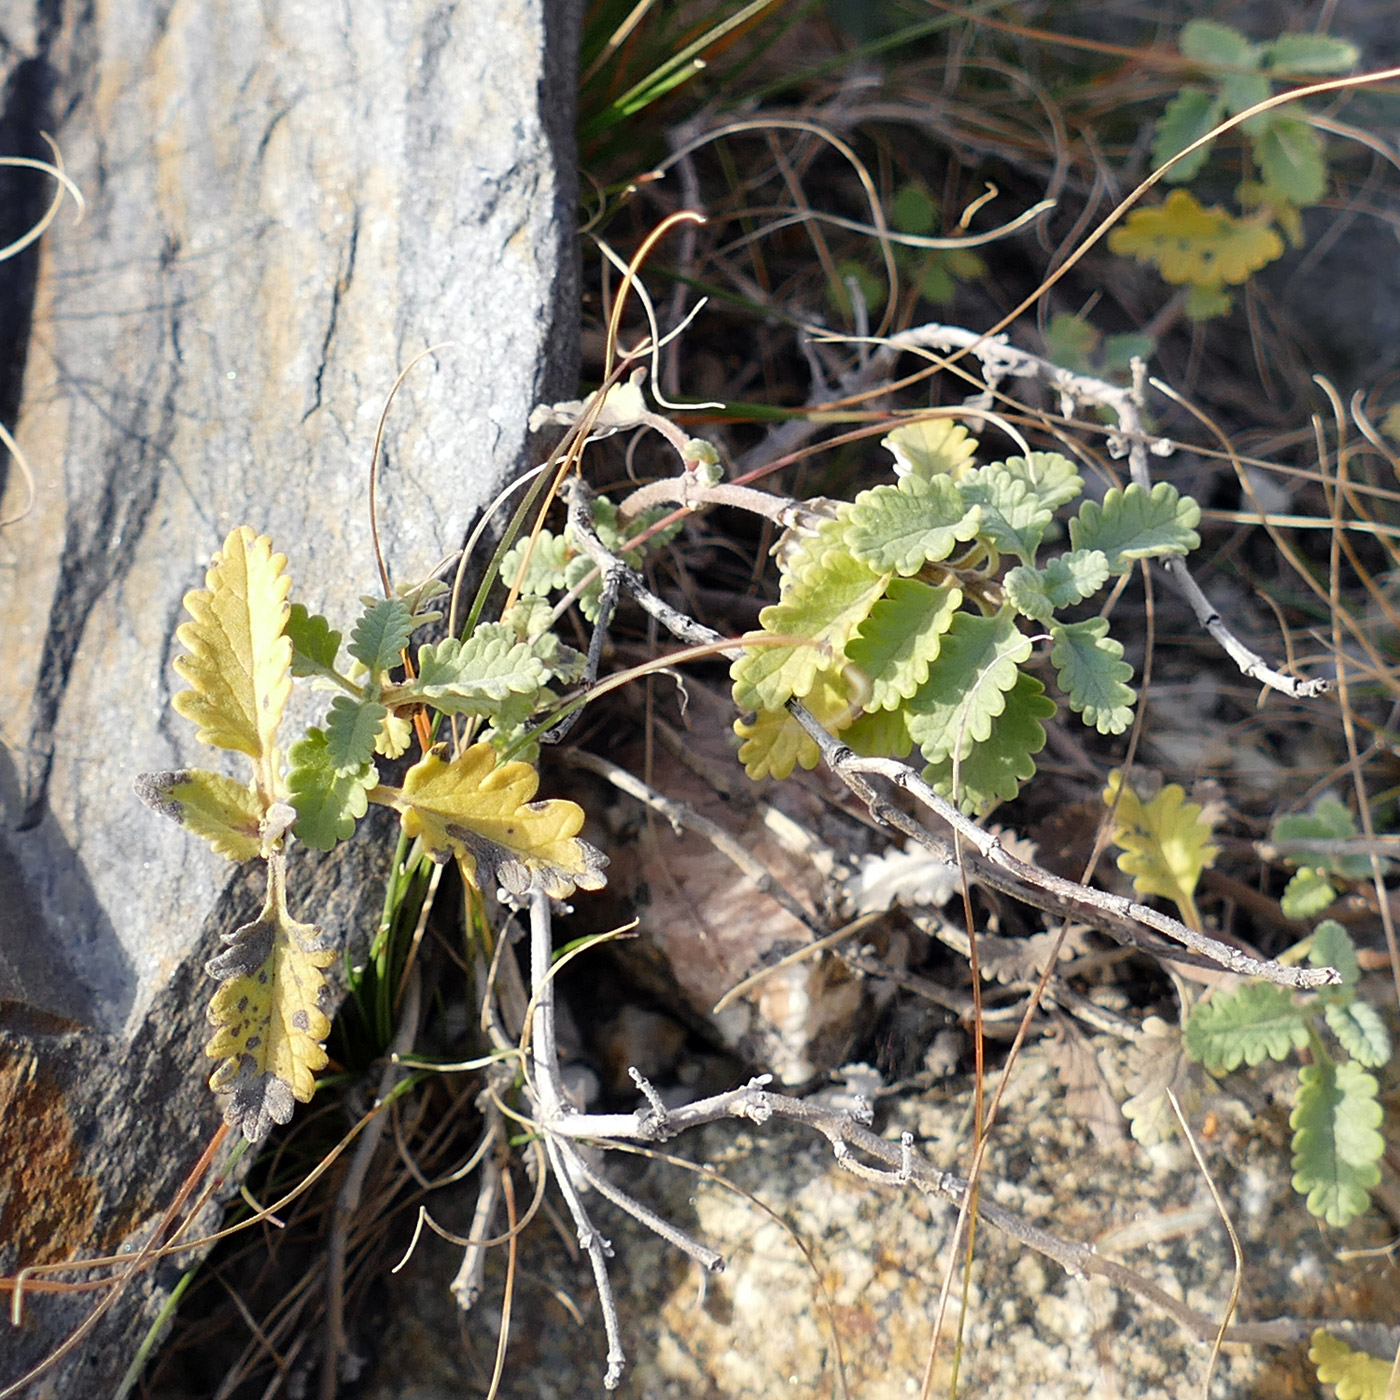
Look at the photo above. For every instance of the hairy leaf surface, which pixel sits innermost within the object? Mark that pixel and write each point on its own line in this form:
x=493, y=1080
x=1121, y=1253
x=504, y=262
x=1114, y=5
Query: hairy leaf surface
x=483, y=814
x=774, y=744
x=907, y=526
x=351, y=729
x=535, y=568
x=954, y=709
x=1360, y=1031
x=1064, y=581
x=226, y=813
x=329, y=799
x=1049, y=476
x=1013, y=516
x=240, y=661
x=879, y=734
x=1166, y=842
x=268, y=1016
x=1336, y=1148
x=475, y=676
x=897, y=642
x=1092, y=672
x=827, y=605
x=1258, y=1021
x=381, y=634
x=315, y=643
x=995, y=769
x=1133, y=524
x=930, y=447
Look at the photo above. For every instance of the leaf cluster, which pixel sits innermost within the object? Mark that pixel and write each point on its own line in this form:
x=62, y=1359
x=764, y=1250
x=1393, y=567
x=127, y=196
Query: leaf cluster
x=1335, y=1120
x=907, y=619
x=1208, y=249
x=244, y=644
x=1313, y=886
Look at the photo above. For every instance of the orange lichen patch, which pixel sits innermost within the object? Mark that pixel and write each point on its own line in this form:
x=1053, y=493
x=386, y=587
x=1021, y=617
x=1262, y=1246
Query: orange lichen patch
x=47, y=1206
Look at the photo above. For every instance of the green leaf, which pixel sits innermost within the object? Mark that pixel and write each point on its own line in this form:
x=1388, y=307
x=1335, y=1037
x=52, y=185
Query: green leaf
x=1241, y=91
x=1217, y=45
x=474, y=677
x=226, y=813
x=1166, y=842
x=954, y=709
x=381, y=634
x=267, y=1013
x=315, y=644
x=1071, y=342
x=1204, y=302
x=879, y=734
x=1133, y=524
x=1064, y=581
x=1336, y=1148
x=1259, y=1021
x=1361, y=1032
x=907, y=526
x=1050, y=477
x=1191, y=114
x=1307, y=894
x=912, y=211
x=1290, y=157
x=1332, y=947
x=1355, y=1375
x=930, y=447
x=1310, y=53
x=329, y=800
x=897, y=642
x=1091, y=671
x=351, y=729
x=995, y=769
x=1013, y=517
x=536, y=568
x=825, y=606
x=1329, y=820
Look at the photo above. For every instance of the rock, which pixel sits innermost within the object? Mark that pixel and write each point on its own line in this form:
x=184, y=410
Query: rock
x=284, y=207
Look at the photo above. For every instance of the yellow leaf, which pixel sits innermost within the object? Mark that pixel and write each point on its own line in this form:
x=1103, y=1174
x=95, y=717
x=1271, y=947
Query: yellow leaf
x=268, y=1013
x=395, y=735
x=240, y=663
x=1356, y=1375
x=930, y=446
x=1166, y=843
x=774, y=744
x=1192, y=244
x=226, y=813
x=483, y=815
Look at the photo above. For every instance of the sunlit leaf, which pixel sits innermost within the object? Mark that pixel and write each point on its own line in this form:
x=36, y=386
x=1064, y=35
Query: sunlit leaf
x=475, y=676
x=1134, y=524
x=1049, y=476
x=1014, y=518
x=534, y=566
x=930, y=447
x=1258, y=1021
x=1332, y=947
x=381, y=634
x=240, y=661
x=954, y=709
x=907, y=526
x=1064, y=581
x=227, y=814
x=1307, y=894
x=825, y=606
x=484, y=814
x=774, y=744
x=898, y=641
x=1166, y=842
x=1092, y=672
x=1336, y=1148
x=995, y=768
x=1360, y=1031
x=268, y=1014
x=351, y=729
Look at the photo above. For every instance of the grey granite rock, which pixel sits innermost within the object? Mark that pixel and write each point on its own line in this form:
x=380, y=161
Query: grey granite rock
x=285, y=204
